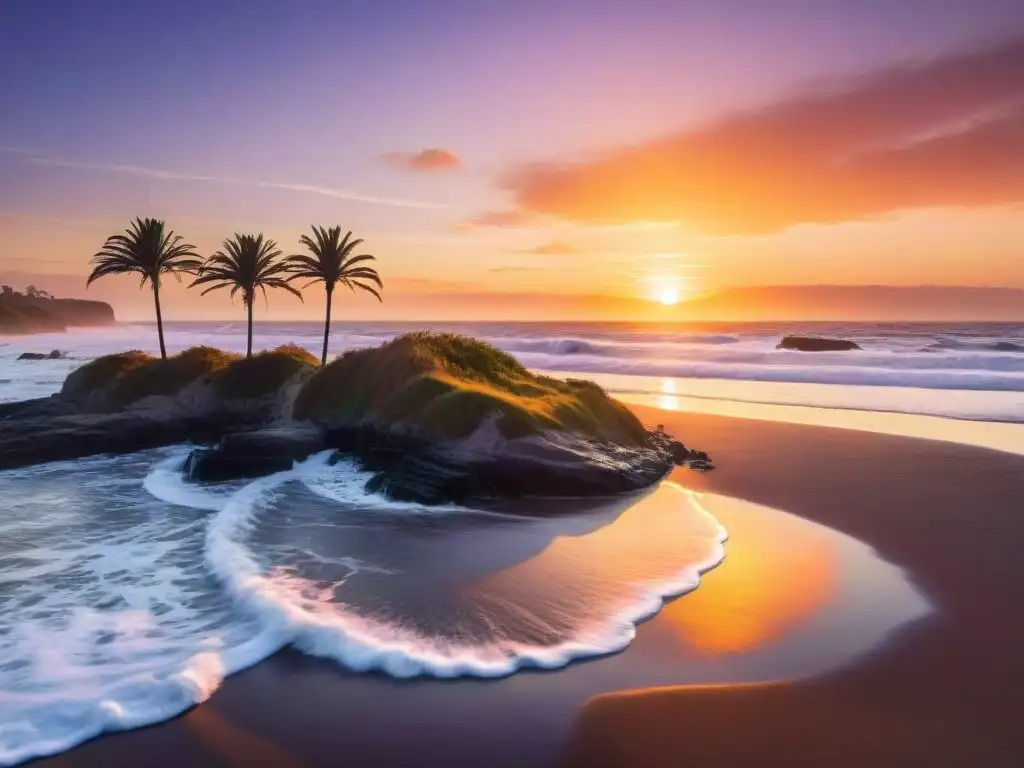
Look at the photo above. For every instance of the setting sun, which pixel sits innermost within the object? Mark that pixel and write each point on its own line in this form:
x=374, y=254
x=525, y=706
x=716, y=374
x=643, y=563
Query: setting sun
x=668, y=295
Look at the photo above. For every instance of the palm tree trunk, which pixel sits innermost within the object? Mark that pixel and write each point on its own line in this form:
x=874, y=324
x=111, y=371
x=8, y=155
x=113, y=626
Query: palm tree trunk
x=248, y=344
x=327, y=329
x=159, y=319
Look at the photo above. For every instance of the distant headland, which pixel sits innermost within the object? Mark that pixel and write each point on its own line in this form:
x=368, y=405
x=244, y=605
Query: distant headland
x=36, y=311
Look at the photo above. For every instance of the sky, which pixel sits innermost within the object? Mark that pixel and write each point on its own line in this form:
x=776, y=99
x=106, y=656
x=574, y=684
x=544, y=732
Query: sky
x=527, y=160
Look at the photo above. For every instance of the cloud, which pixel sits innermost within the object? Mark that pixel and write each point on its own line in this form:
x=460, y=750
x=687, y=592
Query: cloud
x=164, y=175
x=430, y=285
x=943, y=132
x=507, y=218
x=554, y=248
x=428, y=160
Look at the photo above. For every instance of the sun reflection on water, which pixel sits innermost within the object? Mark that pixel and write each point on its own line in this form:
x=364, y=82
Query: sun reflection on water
x=668, y=400
x=779, y=573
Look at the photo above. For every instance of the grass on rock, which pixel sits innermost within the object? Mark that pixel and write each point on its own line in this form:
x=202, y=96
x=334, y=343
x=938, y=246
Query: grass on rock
x=135, y=375
x=170, y=376
x=446, y=385
x=264, y=373
x=102, y=371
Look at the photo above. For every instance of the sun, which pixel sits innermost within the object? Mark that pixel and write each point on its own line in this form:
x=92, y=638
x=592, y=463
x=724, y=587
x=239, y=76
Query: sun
x=668, y=296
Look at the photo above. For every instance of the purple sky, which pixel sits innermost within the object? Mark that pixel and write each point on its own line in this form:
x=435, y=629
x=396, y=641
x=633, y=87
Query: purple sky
x=271, y=115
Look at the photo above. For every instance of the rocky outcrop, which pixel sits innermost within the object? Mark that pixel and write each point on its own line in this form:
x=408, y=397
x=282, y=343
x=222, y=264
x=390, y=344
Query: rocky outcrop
x=21, y=313
x=254, y=454
x=50, y=430
x=53, y=355
x=406, y=466
x=816, y=344
x=441, y=419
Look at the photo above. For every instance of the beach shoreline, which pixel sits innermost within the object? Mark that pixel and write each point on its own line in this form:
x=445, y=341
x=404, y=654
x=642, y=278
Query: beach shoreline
x=943, y=512
x=945, y=691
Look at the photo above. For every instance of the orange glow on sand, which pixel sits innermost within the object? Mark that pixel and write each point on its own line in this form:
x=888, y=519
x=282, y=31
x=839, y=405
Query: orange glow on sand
x=777, y=573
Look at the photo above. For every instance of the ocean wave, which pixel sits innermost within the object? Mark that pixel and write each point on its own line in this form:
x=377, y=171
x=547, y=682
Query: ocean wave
x=632, y=347
x=113, y=626
x=115, y=577
x=322, y=627
x=981, y=346
x=901, y=372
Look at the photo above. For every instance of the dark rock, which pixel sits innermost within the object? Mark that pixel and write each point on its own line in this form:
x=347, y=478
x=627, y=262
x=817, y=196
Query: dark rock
x=53, y=429
x=254, y=454
x=434, y=473
x=54, y=355
x=40, y=408
x=423, y=478
x=34, y=440
x=816, y=344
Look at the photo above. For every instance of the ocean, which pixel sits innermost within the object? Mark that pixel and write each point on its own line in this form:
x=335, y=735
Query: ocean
x=962, y=371
x=127, y=594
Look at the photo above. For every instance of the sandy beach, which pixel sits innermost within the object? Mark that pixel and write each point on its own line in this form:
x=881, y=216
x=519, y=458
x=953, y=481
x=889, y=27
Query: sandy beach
x=947, y=691
x=944, y=690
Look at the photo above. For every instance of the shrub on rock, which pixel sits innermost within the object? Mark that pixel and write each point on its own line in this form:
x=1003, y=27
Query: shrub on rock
x=446, y=385
x=264, y=373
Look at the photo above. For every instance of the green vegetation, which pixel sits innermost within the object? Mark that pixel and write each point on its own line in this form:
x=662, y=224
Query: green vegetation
x=264, y=373
x=134, y=375
x=170, y=376
x=446, y=385
x=97, y=373
x=443, y=384
x=146, y=249
x=333, y=264
x=247, y=262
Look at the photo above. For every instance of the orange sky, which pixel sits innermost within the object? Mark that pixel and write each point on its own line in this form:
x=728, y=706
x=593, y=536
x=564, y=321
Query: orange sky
x=896, y=159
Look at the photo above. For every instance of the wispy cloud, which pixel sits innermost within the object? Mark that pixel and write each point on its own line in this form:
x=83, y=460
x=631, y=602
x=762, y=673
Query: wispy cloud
x=165, y=175
x=432, y=160
x=554, y=248
x=502, y=270
x=507, y=218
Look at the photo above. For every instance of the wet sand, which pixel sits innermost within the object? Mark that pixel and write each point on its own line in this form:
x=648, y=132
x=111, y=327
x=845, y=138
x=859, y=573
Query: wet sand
x=945, y=690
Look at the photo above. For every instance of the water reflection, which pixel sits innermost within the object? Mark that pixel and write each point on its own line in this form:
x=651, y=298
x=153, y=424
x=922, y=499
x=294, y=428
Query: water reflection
x=668, y=400
x=779, y=573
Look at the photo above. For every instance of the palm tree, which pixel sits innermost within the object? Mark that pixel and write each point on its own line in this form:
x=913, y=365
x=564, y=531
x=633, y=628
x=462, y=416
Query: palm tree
x=332, y=263
x=146, y=249
x=247, y=262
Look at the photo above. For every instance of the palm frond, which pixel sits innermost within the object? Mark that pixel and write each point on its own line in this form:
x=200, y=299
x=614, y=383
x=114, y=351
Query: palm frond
x=330, y=259
x=247, y=264
x=146, y=248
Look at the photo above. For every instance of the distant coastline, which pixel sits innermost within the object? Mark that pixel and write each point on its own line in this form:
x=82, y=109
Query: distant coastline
x=36, y=311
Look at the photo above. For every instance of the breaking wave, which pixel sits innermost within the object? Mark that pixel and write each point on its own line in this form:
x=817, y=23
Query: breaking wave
x=149, y=590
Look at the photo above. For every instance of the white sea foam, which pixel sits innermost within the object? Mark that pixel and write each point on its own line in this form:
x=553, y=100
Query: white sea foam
x=167, y=483
x=106, y=616
x=138, y=636
x=324, y=628
x=951, y=360
x=122, y=605
x=343, y=483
